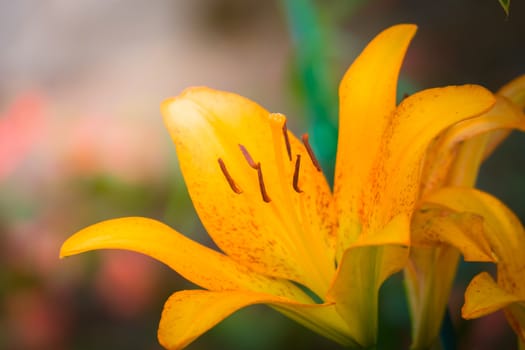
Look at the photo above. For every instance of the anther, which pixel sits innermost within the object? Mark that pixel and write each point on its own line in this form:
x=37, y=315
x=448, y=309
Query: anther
x=248, y=157
x=264, y=194
x=311, y=152
x=287, y=141
x=296, y=174
x=235, y=188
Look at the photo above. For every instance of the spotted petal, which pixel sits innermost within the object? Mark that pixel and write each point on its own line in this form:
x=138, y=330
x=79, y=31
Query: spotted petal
x=258, y=204
x=503, y=230
x=497, y=122
x=195, y=262
x=435, y=225
x=188, y=314
x=483, y=296
x=367, y=96
x=507, y=240
x=381, y=148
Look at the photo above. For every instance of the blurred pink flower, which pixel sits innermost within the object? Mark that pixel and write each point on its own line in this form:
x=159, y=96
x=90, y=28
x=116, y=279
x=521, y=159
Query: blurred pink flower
x=127, y=283
x=20, y=126
x=129, y=149
x=34, y=322
x=31, y=245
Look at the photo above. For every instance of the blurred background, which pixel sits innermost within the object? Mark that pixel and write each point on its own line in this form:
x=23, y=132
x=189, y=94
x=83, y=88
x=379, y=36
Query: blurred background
x=82, y=140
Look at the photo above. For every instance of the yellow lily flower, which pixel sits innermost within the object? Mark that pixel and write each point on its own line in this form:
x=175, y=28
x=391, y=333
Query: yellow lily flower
x=262, y=197
x=439, y=235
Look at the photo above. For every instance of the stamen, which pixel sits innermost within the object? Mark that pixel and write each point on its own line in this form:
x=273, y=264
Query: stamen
x=311, y=152
x=287, y=141
x=235, y=188
x=248, y=157
x=296, y=174
x=264, y=194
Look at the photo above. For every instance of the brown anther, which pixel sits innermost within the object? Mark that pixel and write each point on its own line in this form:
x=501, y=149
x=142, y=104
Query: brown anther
x=295, y=182
x=264, y=194
x=287, y=141
x=235, y=188
x=248, y=157
x=311, y=152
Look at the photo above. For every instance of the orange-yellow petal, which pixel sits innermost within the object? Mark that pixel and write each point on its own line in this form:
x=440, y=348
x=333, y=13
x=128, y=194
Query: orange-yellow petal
x=506, y=237
x=394, y=180
x=362, y=271
x=515, y=91
x=190, y=313
x=245, y=187
x=392, y=186
x=515, y=314
x=429, y=276
x=195, y=262
x=503, y=231
x=380, y=147
x=435, y=225
x=483, y=296
x=367, y=96
x=497, y=122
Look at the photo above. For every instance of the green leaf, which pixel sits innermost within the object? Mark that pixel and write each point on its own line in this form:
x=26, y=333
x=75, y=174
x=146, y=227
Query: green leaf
x=505, y=4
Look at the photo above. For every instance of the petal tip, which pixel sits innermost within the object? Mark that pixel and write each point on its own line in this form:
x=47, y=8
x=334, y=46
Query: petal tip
x=68, y=248
x=408, y=27
x=405, y=30
x=186, y=94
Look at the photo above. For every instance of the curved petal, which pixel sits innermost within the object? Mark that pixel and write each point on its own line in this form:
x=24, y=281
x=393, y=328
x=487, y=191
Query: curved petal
x=190, y=313
x=483, y=296
x=380, y=151
x=435, y=225
x=506, y=238
x=504, y=115
x=367, y=96
x=392, y=186
x=515, y=314
x=515, y=91
x=394, y=180
x=362, y=271
x=503, y=231
x=255, y=205
x=429, y=276
x=195, y=262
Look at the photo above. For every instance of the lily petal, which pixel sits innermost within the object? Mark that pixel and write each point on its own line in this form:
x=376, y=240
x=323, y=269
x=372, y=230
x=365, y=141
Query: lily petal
x=515, y=91
x=362, y=271
x=507, y=238
x=367, y=96
x=416, y=122
x=515, y=314
x=381, y=148
x=429, y=276
x=195, y=262
x=251, y=204
x=502, y=117
x=393, y=184
x=434, y=225
x=502, y=229
x=190, y=313
x=483, y=296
